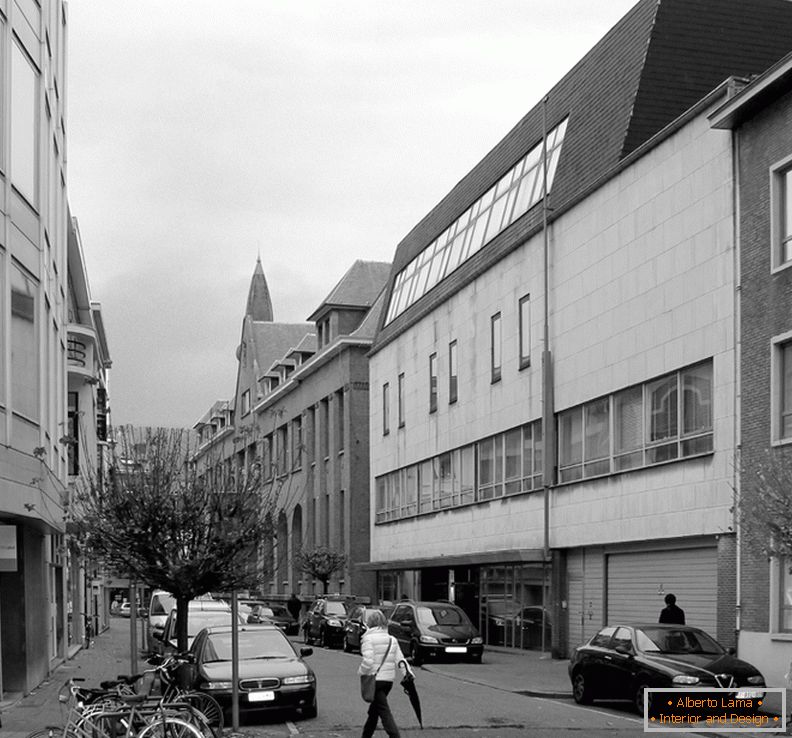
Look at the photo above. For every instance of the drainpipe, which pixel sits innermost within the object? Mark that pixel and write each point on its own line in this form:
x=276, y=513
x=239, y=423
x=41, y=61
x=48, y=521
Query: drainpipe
x=736, y=479
x=548, y=426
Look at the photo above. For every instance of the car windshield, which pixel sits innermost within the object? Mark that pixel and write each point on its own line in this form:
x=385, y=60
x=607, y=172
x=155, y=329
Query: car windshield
x=335, y=608
x=161, y=604
x=440, y=615
x=676, y=640
x=265, y=644
x=277, y=611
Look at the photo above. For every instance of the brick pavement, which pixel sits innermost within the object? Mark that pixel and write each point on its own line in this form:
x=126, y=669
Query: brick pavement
x=108, y=657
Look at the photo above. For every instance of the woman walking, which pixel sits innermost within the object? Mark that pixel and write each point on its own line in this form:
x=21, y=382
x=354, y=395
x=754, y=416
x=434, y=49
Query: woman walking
x=381, y=656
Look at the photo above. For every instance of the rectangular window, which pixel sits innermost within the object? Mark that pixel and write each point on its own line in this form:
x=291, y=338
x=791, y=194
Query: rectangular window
x=400, y=399
x=267, y=458
x=410, y=485
x=433, y=383
x=426, y=481
x=245, y=402
x=445, y=486
x=340, y=422
x=628, y=429
x=385, y=409
x=525, y=331
x=452, y=372
x=782, y=390
x=24, y=124
x=785, y=602
x=297, y=443
x=781, y=198
x=282, y=448
x=25, y=345
x=495, y=347
x=324, y=428
x=310, y=436
x=570, y=444
x=662, y=408
x=513, y=461
x=73, y=446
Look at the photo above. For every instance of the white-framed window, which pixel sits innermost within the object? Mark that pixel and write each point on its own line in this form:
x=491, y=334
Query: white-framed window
x=785, y=596
x=386, y=408
x=781, y=388
x=433, y=383
x=496, y=348
x=24, y=124
x=781, y=213
x=453, y=378
x=524, y=312
x=400, y=399
x=661, y=420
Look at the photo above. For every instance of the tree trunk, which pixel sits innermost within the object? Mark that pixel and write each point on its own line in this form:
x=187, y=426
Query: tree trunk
x=182, y=608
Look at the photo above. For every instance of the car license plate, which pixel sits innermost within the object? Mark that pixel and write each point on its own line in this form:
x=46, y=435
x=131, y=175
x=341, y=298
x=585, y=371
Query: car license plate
x=456, y=649
x=749, y=694
x=264, y=696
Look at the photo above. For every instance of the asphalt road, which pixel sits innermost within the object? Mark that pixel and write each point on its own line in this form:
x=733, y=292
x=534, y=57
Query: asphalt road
x=451, y=708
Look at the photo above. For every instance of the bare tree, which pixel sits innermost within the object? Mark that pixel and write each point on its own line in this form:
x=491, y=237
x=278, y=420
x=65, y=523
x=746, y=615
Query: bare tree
x=765, y=505
x=321, y=563
x=159, y=518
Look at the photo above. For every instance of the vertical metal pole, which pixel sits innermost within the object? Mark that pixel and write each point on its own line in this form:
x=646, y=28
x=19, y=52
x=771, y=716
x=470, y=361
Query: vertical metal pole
x=133, y=647
x=234, y=662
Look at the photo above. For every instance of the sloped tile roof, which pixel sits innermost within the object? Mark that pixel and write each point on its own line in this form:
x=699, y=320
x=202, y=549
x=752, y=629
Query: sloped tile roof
x=359, y=287
x=660, y=59
x=272, y=341
x=368, y=327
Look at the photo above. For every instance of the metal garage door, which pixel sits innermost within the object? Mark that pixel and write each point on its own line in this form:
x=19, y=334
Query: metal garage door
x=637, y=583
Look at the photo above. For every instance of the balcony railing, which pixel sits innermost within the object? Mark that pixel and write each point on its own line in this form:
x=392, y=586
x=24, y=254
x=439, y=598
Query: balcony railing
x=75, y=352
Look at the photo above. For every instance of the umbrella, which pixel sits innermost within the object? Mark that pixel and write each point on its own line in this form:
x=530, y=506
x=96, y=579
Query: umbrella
x=408, y=685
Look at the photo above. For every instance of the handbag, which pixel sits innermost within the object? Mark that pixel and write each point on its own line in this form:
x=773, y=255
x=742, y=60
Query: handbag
x=368, y=682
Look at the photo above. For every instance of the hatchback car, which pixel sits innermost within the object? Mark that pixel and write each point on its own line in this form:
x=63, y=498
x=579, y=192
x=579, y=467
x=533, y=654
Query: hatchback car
x=355, y=626
x=265, y=612
x=272, y=675
x=434, y=629
x=325, y=622
x=620, y=661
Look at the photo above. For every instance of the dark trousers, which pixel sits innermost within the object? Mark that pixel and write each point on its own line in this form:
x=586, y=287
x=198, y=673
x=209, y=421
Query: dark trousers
x=379, y=710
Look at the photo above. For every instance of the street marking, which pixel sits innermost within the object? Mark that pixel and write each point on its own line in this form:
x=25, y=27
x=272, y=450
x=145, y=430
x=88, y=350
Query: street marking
x=292, y=728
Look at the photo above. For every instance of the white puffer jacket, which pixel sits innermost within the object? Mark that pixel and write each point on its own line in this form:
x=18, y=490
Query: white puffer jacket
x=373, y=645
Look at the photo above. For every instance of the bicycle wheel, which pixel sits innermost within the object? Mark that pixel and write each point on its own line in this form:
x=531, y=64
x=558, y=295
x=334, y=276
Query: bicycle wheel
x=170, y=727
x=49, y=732
x=207, y=705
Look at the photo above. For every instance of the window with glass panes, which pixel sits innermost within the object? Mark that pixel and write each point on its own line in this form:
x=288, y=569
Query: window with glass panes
x=785, y=394
x=784, y=214
x=665, y=419
x=385, y=409
x=524, y=310
x=495, y=347
x=400, y=399
x=785, y=600
x=453, y=383
x=433, y=383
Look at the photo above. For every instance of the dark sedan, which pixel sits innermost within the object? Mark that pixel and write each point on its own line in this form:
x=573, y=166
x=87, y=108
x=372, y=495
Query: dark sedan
x=264, y=613
x=621, y=660
x=355, y=626
x=272, y=675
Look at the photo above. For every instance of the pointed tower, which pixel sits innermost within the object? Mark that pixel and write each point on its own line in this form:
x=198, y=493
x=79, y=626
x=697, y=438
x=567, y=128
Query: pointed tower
x=259, y=304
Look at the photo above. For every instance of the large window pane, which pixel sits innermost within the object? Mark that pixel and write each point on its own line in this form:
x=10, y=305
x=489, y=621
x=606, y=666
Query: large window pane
x=24, y=128
x=410, y=496
x=597, y=437
x=786, y=390
x=513, y=465
x=663, y=409
x=786, y=218
x=25, y=345
x=486, y=468
x=466, y=474
x=628, y=421
x=427, y=485
x=444, y=480
x=786, y=595
x=570, y=437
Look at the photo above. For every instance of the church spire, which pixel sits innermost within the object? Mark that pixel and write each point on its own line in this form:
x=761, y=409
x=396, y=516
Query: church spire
x=259, y=305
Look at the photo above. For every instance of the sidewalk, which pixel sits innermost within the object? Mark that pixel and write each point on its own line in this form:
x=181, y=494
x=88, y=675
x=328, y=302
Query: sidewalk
x=108, y=657
x=513, y=670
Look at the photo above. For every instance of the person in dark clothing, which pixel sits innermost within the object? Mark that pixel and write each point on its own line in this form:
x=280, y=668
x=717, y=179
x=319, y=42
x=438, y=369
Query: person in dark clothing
x=294, y=606
x=672, y=614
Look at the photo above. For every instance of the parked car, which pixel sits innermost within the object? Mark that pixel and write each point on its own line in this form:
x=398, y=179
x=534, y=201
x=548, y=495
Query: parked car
x=266, y=612
x=622, y=659
x=125, y=611
x=272, y=675
x=434, y=629
x=200, y=614
x=325, y=622
x=160, y=604
x=355, y=626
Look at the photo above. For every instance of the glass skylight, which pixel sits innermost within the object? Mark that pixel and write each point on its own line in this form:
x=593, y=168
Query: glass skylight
x=514, y=195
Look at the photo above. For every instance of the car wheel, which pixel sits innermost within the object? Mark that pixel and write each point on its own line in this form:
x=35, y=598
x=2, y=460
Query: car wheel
x=580, y=689
x=416, y=653
x=638, y=699
x=347, y=647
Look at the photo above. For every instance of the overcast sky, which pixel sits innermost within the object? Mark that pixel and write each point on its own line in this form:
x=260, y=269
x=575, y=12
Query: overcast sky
x=201, y=134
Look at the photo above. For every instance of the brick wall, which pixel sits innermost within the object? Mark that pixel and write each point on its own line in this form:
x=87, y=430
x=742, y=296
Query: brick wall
x=766, y=306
